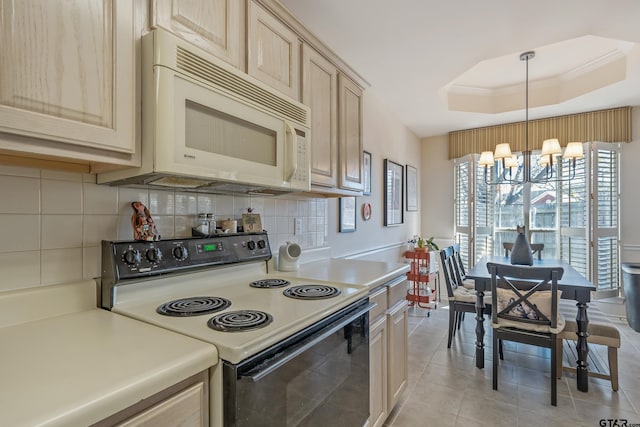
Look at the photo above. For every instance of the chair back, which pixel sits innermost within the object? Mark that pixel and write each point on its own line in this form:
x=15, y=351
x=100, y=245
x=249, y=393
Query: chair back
x=536, y=248
x=524, y=294
x=458, y=260
x=448, y=270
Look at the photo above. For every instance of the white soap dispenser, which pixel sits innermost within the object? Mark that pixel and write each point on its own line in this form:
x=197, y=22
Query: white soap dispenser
x=288, y=257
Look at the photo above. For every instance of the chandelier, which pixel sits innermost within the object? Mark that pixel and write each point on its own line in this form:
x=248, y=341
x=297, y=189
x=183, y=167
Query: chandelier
x=551, y=156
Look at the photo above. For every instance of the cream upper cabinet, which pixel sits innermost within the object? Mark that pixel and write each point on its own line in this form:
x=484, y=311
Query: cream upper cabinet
x=217, y=26
x=320, y=93
x=273, y=51
x=67, y=74
x=349, y=134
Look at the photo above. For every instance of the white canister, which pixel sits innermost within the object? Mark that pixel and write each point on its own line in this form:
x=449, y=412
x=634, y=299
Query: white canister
x=288, y=257
x=229, y=226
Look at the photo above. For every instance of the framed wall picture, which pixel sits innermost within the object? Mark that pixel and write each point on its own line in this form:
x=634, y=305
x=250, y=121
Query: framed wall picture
x=412, y=189
x=347, y=213
x=393, y=193
x=366, y=172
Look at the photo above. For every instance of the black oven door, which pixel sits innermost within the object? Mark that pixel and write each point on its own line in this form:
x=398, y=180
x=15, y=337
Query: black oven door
x=318, y=377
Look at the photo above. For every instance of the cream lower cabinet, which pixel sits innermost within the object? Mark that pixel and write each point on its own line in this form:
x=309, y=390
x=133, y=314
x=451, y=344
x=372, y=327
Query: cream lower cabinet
x=398, y=353
x=217, y=26
x=67, y=75
x=388, y=349
x=185, y=404
x=378, y=411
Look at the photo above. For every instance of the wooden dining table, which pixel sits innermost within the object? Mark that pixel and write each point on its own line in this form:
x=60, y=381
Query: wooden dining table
x=573, y=285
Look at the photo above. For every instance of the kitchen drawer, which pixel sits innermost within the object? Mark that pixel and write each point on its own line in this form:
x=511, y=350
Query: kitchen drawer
x=397, y=292
x=379, y=297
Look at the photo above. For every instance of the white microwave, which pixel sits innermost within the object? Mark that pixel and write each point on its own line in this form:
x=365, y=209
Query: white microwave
x=208, y=126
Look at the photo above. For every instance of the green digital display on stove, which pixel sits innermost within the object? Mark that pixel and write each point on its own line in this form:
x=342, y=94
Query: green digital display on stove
x=210, y=247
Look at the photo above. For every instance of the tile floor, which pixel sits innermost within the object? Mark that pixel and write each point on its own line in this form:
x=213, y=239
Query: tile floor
x=446, y=389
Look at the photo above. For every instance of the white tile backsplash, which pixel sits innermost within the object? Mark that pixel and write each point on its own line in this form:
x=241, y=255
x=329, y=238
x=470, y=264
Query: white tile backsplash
x=61, y=197
x=91, y=262
x=60, y=265
x=99, y=199
x=161, y=202
x=95, y=228
x=126, y=196
x=61, y=231
x=19, y=232
x=52, y=223
x=20, y=195
x=19, y=270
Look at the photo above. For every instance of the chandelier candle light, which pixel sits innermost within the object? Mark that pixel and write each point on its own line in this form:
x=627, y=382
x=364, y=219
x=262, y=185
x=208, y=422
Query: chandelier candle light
x=548, y=157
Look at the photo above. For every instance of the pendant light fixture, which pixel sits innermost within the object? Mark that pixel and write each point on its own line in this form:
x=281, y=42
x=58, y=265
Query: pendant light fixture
x=551, y=156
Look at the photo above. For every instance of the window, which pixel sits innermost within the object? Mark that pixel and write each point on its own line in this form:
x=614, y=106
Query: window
x=576, y=220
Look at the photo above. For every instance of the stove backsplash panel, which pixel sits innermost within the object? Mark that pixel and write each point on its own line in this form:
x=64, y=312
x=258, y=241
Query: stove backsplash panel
x=51, y=222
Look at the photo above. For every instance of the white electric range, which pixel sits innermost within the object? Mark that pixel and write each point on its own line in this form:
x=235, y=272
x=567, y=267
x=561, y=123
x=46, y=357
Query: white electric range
x=293, y=351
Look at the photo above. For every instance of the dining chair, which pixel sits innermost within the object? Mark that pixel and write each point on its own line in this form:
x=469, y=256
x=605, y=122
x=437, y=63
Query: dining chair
x=461, y=274
x=525, y=309
x=536, y=248
x=461, y=300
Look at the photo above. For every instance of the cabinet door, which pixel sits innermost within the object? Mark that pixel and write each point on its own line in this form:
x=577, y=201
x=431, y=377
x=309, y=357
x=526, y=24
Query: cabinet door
x=350, y=134
x=67, y=71
x=273, y=51
x=320, y=92
x=217, y=26
x=378, y=372
x=398, y=352
x=184, y=409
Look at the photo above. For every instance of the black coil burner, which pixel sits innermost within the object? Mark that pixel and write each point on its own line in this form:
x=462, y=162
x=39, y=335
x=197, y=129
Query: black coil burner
x=194, y=306
x=240, y=321
x=270, y=283
x=311, y=292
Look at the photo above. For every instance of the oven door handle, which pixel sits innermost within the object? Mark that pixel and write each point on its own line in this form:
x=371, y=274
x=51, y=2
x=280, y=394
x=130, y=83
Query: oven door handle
x=294, y=353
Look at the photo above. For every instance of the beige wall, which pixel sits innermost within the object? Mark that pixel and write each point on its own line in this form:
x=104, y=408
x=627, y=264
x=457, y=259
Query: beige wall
x=437, y=190
x=384, y=137
x=630, y=194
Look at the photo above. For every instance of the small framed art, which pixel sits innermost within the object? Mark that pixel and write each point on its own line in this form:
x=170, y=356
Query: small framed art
x=393, y=193
x=412, y=189
x=347, y=212
x=366, y=173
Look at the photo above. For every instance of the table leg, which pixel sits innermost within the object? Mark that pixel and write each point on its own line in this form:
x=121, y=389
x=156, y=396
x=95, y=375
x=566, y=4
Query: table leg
x=582, y=348
x=480, y=330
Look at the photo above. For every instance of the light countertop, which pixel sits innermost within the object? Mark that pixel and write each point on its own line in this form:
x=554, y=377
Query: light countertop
x=80, y=367
x=351, y=271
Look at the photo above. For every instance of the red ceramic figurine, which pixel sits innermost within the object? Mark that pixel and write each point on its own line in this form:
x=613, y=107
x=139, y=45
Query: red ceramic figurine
x=143, y=226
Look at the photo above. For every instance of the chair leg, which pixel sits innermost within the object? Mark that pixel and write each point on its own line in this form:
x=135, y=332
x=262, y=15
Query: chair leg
x=613, y=367
x=560, y=346
x=495, y=360
x=500, y=350
x=460, y=319
x=452, y=323
x=554, y=380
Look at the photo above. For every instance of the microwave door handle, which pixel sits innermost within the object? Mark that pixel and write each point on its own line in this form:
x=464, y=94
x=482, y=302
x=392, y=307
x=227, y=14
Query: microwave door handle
x=290, y=136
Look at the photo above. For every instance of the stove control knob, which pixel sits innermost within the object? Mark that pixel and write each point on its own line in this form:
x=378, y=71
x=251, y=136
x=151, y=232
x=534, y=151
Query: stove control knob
x=180, y=253
x=132, y=257
x=262, y=244
x=251, y=245
x=154, y=255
